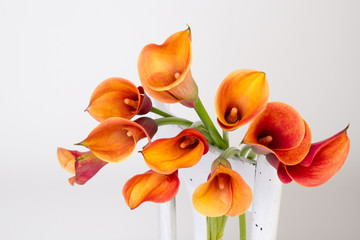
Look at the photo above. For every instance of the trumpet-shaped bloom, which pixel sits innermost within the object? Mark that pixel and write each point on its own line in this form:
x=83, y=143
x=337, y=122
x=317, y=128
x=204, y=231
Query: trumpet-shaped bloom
x=323, y=161
x=118, y=97
x=240, y=97
x=150, y=186
x=164, y=70
x=169, y=154
x=84, y=165
x=225, y=193
x=279, y=130
x=114, y=139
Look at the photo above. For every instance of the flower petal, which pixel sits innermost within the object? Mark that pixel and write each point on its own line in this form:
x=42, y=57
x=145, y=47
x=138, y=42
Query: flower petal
x=150, y=186
x=114, y=139
x=83, y=164
x=108, y=99
x=296, y=155
x=169, y=154
x=245, y=91
x=279, y=122
x=225, y=193
x=327, y=158
x=164, y=70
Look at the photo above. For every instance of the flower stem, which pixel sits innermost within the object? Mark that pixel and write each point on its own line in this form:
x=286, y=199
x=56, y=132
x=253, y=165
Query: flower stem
x=245, y=150
x=215, y=227
x=159, y=112
x=242, y=226
x=231, y=151
x=173, y=121
x=222, y=223
x=204, y=116
x=226, y=137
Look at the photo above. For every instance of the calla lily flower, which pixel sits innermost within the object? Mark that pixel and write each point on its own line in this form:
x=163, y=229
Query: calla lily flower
x=241, y=96
x=150, y=186
x=169, y=154
x=84, y=165
x=118, y=97
x=164, y=70
x=280, y=132
x=225, y=193
x=323, y=161
x=114, y=139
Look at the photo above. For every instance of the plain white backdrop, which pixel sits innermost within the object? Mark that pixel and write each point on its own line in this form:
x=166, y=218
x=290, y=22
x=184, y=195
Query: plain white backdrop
x=54, y=53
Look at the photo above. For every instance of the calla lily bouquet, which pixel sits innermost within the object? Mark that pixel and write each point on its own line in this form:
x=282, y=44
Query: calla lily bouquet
x=276, y=130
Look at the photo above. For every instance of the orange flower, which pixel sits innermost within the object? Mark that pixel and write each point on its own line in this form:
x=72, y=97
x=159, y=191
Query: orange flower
x=241, y=96
x=164, y=70
x=281, y=131
x=225, y=193
x=118, y=97
x=83, y=164
x=323, y=161
x=114, y=139
x=150, y=186
x=169, y=154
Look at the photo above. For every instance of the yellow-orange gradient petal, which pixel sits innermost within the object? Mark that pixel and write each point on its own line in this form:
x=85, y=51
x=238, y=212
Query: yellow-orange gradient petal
x=150, y=186
x=114, y=139
x=225, y=193
x=240, y=97
x=164, y=70
x=84, y=165
x=327, y=156
x=169, y=154
x=296, y=155
x=278, y=127
x=115, y=97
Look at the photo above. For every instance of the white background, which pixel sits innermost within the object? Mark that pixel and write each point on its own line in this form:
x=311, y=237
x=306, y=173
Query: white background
x=54, y=53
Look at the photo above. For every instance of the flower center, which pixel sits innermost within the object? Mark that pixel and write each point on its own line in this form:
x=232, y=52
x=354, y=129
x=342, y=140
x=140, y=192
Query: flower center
x=187, y=142
x=223, y=180
x=177, y=75
x=131, y=103
x=265, y=140
x=129, y=134
x=232, y=117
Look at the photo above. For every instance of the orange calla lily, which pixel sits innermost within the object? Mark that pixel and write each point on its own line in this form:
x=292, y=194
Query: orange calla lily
x=225, y=193
x=323, y=161
x=169, y=154
x=118, y=97
x=150, y=186
x=83, y=164
x=164, y=70
x=281, y=132
x=240, y=97
x=114, y=139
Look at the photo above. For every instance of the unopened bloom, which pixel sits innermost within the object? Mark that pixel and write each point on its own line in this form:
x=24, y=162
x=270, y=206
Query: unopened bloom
x=118, y=97
x=164, y=70
x=169, y=154
x=114, y=139
x=84, y=165
x=225, y=193
x=150, y=186
x=240, y=97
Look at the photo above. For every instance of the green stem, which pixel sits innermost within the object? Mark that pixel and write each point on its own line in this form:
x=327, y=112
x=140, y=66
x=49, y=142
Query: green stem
x=231, y=151
x=226, y=137
x=200, y=126
x=221, y=227
x=242, y=226
x=245, y=150
x=251, y=155
x=213, y=227
x=204, y=116
x=173, y=121
x=159, y=112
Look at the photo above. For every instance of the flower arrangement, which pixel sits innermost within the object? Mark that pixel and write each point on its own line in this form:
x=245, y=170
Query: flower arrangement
x=276, y=130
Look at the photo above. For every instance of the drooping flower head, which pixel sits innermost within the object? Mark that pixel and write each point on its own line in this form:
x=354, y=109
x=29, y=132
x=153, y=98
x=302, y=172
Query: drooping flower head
x=164, y=70
x=114, y=139
x=84, y=165
x=118, y=97
x=150, y=186
x=225, y=193
x=240, y=97
x=169, y=154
